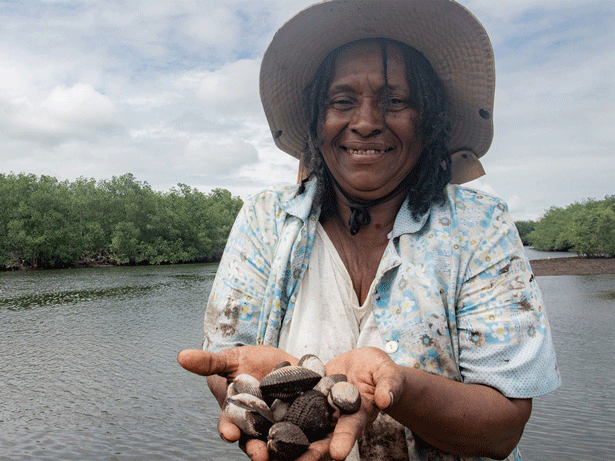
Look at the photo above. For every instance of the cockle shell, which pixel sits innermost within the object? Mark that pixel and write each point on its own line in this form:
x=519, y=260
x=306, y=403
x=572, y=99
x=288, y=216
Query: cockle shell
x=311, y=362
x=311, y=412
x=247, y=384
x=326, y=383
x=303, y=403
x=250, y=414
x=286, y=441
x=345, y=397
x=285, y=383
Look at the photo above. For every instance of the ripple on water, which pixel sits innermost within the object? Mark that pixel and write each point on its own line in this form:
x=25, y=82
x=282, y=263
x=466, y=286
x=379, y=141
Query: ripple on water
x=88, y=368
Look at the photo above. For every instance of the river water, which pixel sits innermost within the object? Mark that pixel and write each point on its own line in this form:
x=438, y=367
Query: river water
x=88, y=369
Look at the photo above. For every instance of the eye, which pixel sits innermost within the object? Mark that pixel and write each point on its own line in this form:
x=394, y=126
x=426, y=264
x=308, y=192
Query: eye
x=398, y=103
x=341, y=103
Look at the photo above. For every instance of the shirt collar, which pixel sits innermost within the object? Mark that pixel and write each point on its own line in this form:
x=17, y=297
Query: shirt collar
x=405, y=223
x=300, y=205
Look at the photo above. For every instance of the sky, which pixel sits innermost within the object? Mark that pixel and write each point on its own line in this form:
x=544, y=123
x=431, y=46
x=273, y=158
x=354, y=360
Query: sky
x=168, y=90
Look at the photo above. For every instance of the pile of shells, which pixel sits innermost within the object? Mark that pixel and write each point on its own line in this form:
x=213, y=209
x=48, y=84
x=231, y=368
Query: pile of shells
x=291, y=407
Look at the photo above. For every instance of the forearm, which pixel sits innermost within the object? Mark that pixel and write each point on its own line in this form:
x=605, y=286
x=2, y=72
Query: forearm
x=464, y=419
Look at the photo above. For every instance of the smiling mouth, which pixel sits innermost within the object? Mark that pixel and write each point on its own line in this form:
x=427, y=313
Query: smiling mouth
x=366, y=151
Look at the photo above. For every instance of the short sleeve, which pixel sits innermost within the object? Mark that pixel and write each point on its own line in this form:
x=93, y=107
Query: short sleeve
x=233, y=309
x=504, y=336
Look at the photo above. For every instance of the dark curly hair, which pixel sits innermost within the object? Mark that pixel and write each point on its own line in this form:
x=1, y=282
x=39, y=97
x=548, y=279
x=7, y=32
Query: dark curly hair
x=428, y=179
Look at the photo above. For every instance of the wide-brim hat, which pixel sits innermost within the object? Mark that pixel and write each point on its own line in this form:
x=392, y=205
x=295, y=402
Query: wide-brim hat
x=449, y=36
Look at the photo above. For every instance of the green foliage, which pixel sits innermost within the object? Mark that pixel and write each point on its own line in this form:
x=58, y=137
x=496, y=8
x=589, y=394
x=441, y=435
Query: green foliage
x=46, y=223
x=525, y=228
x=551, y=231
x=586, y=228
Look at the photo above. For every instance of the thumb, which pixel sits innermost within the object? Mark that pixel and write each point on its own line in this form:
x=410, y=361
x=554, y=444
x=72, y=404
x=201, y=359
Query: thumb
x=386, y=393
x=204, y=363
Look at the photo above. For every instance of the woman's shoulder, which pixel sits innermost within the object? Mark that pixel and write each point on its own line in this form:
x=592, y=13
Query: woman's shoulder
x=470, y=207
x=276, y=193
x=460, y=195
x=272, y=197
x=285, y=200
x=463, y=200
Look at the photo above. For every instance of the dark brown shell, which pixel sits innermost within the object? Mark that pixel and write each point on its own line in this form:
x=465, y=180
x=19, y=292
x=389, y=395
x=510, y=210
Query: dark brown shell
x=285, y=383
x=286, y=441
x=311, y=412
x=345, y=397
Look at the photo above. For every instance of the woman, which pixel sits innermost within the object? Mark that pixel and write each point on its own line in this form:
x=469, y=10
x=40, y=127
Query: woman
x=417, y=289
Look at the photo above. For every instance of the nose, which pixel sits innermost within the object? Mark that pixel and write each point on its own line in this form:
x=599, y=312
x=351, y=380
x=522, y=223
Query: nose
x=367, y=118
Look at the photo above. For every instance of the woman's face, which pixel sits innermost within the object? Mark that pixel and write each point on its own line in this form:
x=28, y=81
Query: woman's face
x=368, y=151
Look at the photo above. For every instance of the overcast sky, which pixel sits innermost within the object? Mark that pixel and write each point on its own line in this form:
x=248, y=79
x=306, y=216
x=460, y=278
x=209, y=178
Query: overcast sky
x=168, y=91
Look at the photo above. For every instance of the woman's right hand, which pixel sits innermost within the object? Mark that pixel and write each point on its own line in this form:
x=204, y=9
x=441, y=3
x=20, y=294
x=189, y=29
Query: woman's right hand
x=221, y=368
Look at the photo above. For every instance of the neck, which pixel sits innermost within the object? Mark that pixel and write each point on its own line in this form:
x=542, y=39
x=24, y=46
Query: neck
x=377, y=214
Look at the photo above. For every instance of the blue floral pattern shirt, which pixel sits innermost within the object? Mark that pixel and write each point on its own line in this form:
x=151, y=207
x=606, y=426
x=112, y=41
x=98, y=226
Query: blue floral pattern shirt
x=456, y=292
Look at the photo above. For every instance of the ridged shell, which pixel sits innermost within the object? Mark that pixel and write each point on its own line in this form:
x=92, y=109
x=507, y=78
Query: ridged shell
x=250, y=414
x=247, y=384
x=311, y=362
x=286, y=441
x=311, y=412
x=345, y=397
x=285, y=383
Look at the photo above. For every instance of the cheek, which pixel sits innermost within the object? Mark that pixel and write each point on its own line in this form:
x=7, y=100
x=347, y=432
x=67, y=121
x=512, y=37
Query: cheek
x=332, y=124
x=403, y=123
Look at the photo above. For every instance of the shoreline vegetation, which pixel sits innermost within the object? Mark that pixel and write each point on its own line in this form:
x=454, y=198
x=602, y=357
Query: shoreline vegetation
x=573, y=265
x=51, y=224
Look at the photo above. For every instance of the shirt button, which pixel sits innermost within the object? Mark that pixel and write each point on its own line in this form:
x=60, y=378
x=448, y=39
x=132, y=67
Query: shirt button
x=391, y=347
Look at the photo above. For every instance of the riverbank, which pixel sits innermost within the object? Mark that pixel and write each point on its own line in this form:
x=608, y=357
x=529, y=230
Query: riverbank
x=573, y=266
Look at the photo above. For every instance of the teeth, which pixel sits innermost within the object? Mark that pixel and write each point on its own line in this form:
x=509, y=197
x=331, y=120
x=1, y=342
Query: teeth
x=364, y=152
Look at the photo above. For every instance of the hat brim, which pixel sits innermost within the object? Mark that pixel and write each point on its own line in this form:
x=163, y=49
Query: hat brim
x=448, y=35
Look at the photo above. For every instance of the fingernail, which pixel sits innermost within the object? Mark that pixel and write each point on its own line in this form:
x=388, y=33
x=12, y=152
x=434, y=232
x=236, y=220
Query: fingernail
x=392, y=399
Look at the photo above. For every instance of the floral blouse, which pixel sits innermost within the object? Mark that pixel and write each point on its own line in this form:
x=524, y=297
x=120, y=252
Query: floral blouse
x=455, y=296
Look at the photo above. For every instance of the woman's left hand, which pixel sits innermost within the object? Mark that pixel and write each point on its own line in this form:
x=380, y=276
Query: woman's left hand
x=379, y=381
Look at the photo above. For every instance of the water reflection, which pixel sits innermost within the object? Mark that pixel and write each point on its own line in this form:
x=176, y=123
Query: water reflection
x=577, y=421
x=89, y=370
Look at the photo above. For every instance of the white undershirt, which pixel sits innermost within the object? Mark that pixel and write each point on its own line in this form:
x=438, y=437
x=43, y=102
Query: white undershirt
x=327, y=319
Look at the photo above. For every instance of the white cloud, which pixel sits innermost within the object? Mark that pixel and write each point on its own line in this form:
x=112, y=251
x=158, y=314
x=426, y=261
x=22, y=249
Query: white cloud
x=231, y=90
x=218, y=28
x=66, y=113
x=218, y=157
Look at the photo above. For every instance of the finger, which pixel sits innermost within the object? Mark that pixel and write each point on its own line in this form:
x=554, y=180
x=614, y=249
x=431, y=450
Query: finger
x=203, y=363
x=227, y=430
x=348, y=429
x=317, y=451
x=255, y=449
